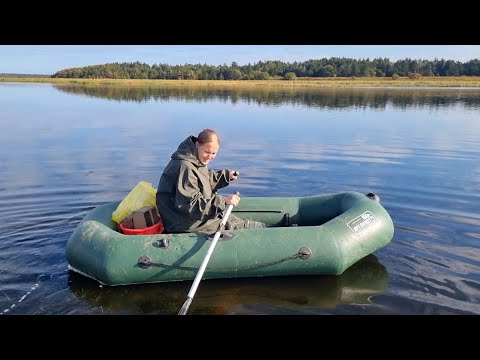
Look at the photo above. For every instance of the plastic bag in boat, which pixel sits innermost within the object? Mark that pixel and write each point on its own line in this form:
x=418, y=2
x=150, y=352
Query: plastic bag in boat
x=143, y=194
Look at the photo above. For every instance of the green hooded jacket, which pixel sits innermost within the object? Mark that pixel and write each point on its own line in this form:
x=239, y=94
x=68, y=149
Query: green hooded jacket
x=187, y=197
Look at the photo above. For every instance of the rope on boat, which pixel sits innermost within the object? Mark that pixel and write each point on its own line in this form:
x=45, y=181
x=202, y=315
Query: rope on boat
x=303, y=253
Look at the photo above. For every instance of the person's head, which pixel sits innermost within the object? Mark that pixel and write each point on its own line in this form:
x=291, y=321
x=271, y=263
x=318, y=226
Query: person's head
x=207, y=145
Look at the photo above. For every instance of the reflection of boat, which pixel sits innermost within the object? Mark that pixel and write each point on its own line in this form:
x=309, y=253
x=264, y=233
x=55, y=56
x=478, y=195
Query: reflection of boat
x=285, y=294
x=333, y=232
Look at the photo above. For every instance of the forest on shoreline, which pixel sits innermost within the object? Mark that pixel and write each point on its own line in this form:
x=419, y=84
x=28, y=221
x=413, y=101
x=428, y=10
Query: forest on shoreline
x=321, y=68
x=274, y=70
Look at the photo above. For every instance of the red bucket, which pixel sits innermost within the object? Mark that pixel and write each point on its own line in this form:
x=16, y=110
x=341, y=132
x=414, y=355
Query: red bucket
x=151, y=230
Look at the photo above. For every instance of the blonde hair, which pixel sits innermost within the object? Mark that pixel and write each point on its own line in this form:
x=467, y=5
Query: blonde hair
x=208, y=135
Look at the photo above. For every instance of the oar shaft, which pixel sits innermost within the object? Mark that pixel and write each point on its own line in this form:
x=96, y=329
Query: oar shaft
x=201, y=270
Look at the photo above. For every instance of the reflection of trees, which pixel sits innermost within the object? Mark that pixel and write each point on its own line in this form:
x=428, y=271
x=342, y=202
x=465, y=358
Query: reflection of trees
x=318, y=98
x=357, y=285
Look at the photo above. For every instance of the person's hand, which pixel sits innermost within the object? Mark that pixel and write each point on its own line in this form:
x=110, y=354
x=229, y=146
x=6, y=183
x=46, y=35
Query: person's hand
x=232, y=200
x=233, y=175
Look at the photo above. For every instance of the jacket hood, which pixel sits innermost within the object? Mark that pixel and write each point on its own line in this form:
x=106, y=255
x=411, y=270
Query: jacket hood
x=187, y=151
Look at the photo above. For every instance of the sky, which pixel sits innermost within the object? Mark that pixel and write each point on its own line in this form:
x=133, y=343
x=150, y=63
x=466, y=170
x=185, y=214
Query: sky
x=48, y=59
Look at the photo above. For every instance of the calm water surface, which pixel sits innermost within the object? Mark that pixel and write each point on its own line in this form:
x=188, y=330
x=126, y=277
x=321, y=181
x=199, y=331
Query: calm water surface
x=67, y=149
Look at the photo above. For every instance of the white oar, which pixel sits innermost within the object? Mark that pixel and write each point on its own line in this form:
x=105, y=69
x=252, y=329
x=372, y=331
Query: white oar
x=201, y=270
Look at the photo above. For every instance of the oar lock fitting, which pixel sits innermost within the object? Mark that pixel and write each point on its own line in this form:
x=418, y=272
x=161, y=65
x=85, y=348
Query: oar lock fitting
x=163, y=242
x=225, y=235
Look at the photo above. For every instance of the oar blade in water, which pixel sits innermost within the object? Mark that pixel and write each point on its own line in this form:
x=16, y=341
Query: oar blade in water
x=185, y=306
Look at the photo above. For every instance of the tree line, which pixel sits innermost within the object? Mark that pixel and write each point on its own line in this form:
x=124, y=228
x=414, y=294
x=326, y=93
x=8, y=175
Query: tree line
x=264, y=70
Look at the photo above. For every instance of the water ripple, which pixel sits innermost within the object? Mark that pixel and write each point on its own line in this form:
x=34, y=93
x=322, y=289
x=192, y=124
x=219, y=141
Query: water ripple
x=61, y=155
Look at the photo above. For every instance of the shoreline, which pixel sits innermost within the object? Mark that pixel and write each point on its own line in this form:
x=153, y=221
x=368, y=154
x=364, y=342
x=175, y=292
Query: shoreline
x=434, y=82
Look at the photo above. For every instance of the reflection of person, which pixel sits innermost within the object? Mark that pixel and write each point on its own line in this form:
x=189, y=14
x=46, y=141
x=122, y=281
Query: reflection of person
x=187, y=196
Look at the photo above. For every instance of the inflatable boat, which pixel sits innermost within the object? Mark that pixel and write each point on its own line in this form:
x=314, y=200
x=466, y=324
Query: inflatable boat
x=324, y=235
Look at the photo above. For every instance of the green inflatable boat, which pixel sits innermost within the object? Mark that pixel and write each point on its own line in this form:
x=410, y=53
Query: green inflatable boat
x=328, y=234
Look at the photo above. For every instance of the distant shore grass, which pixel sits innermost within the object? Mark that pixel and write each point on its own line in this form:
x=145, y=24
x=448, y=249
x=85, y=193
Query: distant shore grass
x=461, y=81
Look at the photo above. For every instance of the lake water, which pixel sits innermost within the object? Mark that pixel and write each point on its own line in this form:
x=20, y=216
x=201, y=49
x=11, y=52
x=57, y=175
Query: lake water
x=67, y=149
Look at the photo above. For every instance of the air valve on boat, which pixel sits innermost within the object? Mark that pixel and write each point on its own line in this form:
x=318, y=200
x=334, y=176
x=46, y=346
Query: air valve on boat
x=373, y=197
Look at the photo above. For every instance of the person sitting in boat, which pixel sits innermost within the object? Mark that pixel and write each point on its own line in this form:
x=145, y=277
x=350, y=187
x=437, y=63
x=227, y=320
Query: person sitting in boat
x=187, y=197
